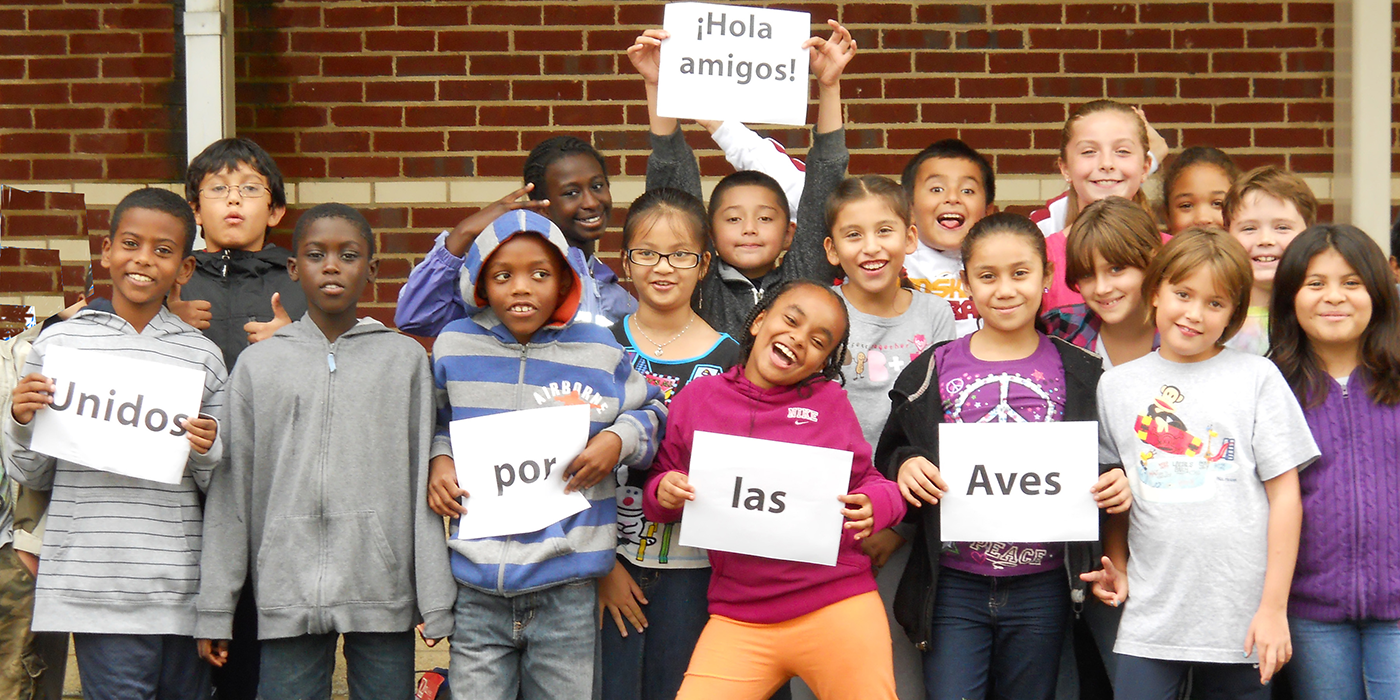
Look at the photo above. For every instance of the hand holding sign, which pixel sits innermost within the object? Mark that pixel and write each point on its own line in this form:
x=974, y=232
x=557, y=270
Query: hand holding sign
x=861, y=514
x=31, y=394
x=513, y=464
x=828, y=57
x=1112, y=492
x=444, y=496
x=201, y=432
x=765, y=498
x=674, y=490
x=596, y=461
x=920, y=481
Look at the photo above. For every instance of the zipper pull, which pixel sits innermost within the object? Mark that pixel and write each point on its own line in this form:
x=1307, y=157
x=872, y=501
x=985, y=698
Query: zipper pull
x=330, y=361
x=225, y=266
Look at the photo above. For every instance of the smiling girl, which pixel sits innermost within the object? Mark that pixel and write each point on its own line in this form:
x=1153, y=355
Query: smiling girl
x=1212, y=441
x=1008, y=371
x=1336, y=338
x=771, y=619
x=1103, y=153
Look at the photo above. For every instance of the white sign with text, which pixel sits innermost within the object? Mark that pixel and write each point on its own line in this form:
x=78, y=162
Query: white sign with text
x=730, y=62
x=512, y=464
x=1019, y=482
x=118, y=415
x=765, y=498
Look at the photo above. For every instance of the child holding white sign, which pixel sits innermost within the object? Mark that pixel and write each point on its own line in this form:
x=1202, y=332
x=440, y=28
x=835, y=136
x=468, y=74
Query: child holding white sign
x=121, y=569
x=527, y=604
x=749, y=211
x=659, y=585
x=869, y=235
x=322, y=504
x=1213, y=441
x=771, y=620
x=1008, y=371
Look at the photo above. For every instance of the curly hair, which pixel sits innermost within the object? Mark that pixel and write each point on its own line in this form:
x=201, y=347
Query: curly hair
x=832, y=368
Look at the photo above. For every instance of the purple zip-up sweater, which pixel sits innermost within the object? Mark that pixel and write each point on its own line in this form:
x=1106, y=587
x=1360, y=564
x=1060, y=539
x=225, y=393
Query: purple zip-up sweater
x=1349, y=554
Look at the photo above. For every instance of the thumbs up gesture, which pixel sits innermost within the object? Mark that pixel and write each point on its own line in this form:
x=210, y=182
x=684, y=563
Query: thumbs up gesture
x=196, y=313
x=262, y=331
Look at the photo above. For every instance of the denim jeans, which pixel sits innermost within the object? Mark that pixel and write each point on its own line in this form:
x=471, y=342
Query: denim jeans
x=377, y=665
x=651, y=665
x=1352, y=660
x=532, y=646
x=155, y=666
x=1139, y=678
x=998, y=634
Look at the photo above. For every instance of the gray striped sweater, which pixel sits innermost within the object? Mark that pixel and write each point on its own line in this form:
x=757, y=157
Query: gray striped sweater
x=121, y=555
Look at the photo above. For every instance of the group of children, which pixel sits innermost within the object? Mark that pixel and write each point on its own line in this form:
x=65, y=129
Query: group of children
x=1249, y=506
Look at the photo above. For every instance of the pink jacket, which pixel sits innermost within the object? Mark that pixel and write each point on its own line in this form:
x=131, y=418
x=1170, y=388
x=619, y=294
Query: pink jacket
x=756, y=589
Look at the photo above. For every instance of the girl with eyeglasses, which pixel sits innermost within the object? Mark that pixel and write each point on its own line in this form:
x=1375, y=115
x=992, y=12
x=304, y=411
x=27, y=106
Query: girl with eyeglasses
x=659, y=586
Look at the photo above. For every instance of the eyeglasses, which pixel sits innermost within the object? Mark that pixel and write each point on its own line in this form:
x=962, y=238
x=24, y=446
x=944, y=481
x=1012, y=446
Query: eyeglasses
x=249, y=191
x=681, y=259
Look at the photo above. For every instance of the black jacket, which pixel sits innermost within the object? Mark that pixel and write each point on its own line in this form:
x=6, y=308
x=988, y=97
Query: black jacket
x=239, y=286
x=912, y=431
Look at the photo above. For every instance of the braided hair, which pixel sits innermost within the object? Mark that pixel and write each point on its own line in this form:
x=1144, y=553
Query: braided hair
x=832, y=368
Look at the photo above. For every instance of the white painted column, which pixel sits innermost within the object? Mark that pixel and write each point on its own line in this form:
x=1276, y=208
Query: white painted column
x=1361, y=188
x=208, y=73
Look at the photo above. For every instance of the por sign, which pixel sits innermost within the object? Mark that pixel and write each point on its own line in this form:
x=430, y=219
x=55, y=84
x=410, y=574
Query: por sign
x=512, y=466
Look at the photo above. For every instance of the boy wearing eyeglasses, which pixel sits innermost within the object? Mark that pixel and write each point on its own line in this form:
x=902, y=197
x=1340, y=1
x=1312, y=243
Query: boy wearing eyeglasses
x=240, y=293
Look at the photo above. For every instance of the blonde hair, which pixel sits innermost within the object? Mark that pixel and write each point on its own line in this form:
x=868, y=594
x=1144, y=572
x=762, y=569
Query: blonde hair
x=1067, y=132
x=1215, y=250
x=1115, y=228
x=1279, y=183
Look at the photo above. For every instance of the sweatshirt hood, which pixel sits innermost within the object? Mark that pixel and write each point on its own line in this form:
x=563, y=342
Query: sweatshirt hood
x=306, y=330
x=494, y=236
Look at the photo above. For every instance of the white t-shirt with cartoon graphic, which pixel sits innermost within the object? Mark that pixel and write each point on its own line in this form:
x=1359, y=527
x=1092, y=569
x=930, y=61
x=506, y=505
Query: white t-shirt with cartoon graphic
x=1198, y=441
x=940, y=274
x=882, y=347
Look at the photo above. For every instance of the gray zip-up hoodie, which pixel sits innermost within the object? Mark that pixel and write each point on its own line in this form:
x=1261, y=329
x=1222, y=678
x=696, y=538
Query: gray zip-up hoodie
x=323, y=499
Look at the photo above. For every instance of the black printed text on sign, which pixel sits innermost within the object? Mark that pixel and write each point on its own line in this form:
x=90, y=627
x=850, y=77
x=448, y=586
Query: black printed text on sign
x=512, y=466
x=766, y=498
x=116, y=414
x=1018, y=482
x=729, y=62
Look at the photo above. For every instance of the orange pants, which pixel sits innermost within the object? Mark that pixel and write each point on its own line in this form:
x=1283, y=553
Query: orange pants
x=841, y=651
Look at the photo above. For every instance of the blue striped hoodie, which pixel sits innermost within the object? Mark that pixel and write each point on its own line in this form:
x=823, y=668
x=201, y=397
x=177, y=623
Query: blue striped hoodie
x=480, y=369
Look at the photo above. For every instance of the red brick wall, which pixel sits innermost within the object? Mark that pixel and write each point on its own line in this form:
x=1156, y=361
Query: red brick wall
x=92, y=90
x=412, y=89
x=88, y=91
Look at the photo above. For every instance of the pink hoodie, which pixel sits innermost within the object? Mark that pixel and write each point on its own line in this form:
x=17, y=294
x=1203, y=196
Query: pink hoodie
x=757, y=589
